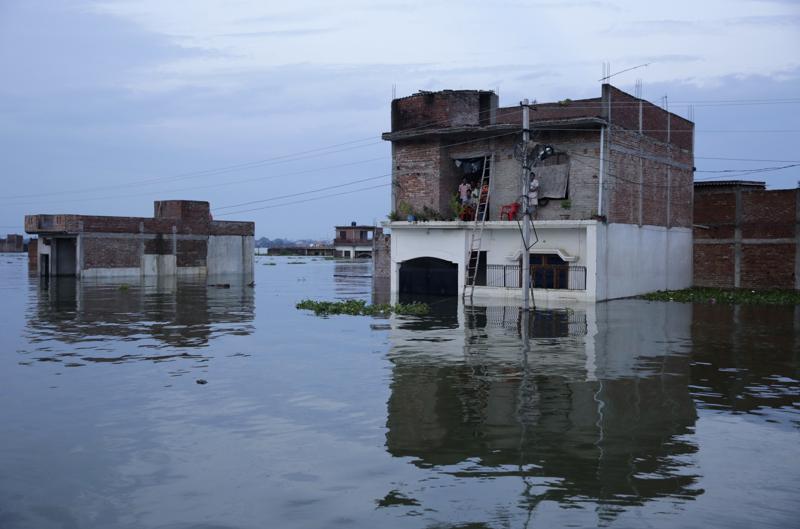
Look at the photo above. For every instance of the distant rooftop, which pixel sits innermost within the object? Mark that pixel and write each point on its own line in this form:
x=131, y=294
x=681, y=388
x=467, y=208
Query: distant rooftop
x=732, y=183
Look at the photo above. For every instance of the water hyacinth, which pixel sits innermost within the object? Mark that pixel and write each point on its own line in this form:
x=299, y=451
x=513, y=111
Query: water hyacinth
x=359, y=307
x=734, y=296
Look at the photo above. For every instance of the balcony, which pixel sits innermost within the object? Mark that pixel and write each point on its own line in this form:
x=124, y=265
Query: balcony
x=561, y=277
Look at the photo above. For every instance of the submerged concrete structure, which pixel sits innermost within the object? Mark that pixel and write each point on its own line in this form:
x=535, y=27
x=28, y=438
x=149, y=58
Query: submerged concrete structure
x=12, y=244
x=614, y=215
x=180, y=239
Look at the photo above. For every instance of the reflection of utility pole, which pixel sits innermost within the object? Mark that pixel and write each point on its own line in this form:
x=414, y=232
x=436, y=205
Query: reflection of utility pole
x=526, y=211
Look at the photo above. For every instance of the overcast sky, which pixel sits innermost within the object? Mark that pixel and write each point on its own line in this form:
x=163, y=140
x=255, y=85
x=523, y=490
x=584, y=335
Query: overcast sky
x=106, y=106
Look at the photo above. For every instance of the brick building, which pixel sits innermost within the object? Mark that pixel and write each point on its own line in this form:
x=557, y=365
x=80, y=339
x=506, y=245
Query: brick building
x=746, y=236
x=181, y=239
x=615, y=201
x=12, y=244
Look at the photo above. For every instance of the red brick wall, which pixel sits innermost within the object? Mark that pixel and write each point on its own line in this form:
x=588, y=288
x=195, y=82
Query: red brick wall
x=766, y=266
x=714, y=265
x=188, y=210
x=768, y=214
x=714, y=215
x=436, y=109
x=192, y=253
x=655, y=120
x=108, y=252
x=659, y=181
x=767, y=225
x=416, y=179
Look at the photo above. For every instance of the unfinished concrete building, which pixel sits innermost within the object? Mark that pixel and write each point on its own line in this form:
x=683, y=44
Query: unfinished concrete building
x=615, y=201
x=12, y=244
x=181, y=239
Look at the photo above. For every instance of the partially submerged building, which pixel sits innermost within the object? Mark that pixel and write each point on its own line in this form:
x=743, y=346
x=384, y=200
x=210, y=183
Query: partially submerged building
x=354, y=241
x=746, y=236
x=615, y=200
x=13, y=243
x=181, y=239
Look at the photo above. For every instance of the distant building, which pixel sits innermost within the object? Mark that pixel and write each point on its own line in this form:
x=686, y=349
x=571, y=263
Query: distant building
x=614, y=204
x=353, y=241
x=746, y=236
x=181, y=239
x=12, y=244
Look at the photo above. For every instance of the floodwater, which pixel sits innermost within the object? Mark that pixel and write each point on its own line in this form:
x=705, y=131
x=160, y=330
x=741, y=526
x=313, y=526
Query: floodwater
x=622, y=414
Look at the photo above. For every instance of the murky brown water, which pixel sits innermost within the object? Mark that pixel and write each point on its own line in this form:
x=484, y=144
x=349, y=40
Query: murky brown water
x=622, y=414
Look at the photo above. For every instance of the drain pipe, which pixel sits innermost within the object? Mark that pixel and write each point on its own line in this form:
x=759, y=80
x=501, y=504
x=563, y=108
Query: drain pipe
x=602, y=171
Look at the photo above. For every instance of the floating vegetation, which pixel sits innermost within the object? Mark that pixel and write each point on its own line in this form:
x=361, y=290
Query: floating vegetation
x=296, y=262
x=734, y=296
x=359, y=307
x=124, y=287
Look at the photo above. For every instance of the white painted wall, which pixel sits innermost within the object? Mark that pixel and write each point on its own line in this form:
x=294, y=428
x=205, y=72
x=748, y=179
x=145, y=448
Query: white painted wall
x=647, y=258
x=427, y=240
x=621, y=260
x=503, y=245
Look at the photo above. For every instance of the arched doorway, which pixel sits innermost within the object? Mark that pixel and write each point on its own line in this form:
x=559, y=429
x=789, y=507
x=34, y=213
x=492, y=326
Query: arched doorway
x=428, y=275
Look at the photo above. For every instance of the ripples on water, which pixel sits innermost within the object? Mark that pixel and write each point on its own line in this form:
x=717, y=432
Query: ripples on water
x=621, y=414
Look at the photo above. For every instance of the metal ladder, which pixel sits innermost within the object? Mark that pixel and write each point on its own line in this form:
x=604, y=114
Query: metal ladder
x=481, y=211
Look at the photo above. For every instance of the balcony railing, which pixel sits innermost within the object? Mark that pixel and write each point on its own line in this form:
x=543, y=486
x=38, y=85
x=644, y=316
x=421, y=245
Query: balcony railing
x=562, y=277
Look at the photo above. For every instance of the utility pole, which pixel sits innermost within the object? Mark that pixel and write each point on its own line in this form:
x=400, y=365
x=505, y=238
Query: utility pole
x=526, y=224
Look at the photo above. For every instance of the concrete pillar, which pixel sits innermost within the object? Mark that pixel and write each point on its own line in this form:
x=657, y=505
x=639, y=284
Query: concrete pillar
x=737, y=241
x=79, y=251
x=141, y=248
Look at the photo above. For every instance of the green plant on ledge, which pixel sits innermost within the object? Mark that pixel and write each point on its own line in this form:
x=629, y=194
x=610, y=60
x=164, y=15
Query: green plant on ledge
x=456, y=206
x=404, y=210
x=566, y=203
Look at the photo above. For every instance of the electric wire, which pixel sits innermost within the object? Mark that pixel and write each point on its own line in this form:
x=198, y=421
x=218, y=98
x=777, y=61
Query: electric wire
x=307, y=200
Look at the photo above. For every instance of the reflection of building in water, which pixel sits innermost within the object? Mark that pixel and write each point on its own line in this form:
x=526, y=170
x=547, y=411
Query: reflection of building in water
x=178, y=313
x=352, y=278
x=745, y=357
x=605, y=412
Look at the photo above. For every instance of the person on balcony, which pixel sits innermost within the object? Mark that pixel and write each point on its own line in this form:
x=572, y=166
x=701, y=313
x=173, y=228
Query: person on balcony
x=464, y=191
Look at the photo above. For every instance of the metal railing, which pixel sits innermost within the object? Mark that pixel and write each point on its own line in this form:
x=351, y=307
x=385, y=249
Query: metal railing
x=562, y=277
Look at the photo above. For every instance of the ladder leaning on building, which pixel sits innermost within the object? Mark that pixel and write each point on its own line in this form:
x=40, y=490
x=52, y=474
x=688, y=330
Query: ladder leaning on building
x=481, y=212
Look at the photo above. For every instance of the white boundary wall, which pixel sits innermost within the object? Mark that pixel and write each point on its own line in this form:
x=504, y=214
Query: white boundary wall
x=621, y=260
x=640, y=259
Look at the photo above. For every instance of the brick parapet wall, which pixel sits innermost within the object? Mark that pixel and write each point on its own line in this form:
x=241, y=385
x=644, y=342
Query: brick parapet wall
x=448, y=108
x=657, y=123
x=74, y=224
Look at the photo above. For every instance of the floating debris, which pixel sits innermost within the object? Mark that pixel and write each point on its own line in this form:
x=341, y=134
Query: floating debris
x=201, y=381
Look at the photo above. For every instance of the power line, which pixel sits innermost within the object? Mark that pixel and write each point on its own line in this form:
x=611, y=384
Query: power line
x=307, y=200
x=752, y=170
x=744, y=159
x=349, y=145
x=303, y=192
x=212, y=172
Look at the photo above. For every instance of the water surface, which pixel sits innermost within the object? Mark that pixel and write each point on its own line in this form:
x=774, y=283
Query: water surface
x=622, y=414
